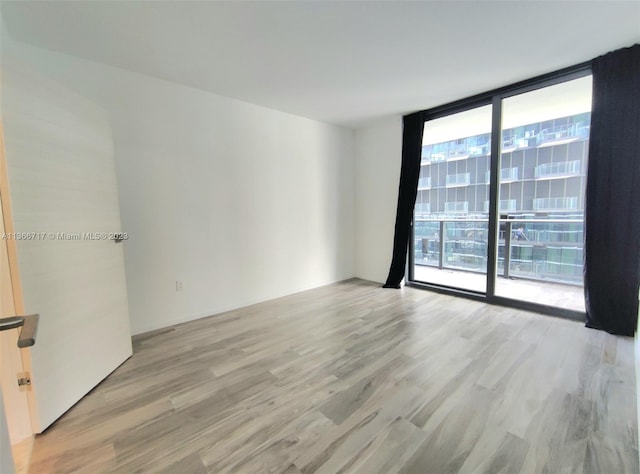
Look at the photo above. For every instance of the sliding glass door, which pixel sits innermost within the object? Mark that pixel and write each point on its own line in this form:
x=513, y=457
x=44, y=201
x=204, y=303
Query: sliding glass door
x=543, y=167
x=451, y=220
x=500, y=203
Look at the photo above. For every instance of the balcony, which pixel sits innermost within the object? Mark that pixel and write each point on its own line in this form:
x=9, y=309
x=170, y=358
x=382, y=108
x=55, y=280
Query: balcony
x=429, y=158
x=558, y=170
x=461, y=179
x=507, y=175
x=456, y=207
x=422, y=208
x=460, y=149
x=506, y=205
x=560, y=296
x=424, y=183
x=562, y=134
x=480, y=150
x=480, y=145
x=545, y=250
x=555, y=204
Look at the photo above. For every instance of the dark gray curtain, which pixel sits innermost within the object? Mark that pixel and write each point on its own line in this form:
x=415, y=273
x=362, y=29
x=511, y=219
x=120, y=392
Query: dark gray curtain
x=413, y=128
x=612, y=214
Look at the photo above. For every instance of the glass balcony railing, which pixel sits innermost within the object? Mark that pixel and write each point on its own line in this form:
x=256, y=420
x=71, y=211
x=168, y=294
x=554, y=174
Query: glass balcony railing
x=429, y=158
x=555, y=204
x=458, y=149
x=461, y=206
x=424, y=183
x=521, y=137
x=558, y=170
x=461, y=179
x=573, y=131
x=507, y=175
x=463, y=247
x=479, y=150
x=536, y=249
x=506, y=205
x=422, y=208
x=548, y=250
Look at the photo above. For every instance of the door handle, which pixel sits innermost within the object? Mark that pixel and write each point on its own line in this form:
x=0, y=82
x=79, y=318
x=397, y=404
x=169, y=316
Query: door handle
x=28, y=325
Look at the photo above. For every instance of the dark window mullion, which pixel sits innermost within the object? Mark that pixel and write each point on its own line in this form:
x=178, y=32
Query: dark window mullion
x=492, y=250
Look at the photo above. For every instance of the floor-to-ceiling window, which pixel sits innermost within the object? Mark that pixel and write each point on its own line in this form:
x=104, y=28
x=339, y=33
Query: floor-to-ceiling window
x=451, y=224
x=500, y=204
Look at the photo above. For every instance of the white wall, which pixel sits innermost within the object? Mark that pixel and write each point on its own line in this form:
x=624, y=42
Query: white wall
x=378, y=155
x=239, y=202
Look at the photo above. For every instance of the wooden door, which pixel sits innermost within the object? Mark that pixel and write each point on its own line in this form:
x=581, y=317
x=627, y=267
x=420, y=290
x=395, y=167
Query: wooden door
x=64, y=201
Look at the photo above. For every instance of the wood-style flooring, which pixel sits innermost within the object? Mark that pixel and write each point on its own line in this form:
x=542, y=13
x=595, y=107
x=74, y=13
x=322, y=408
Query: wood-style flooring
x=354, y=378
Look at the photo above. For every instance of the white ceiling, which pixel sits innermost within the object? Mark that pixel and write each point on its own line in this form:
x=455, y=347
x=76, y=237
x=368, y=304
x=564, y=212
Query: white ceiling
x=340, y=62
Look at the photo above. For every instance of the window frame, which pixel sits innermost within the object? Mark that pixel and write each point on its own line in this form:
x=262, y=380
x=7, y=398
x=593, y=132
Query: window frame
x=494, y=98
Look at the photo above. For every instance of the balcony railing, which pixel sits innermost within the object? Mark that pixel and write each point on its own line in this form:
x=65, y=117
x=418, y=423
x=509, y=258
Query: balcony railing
x=535, y=249
x=564, y=133
x=461, y=179
x=429, y=158
x=461, y=206
x=507, y=175
x=558, y=170
x=480, y=145
x=506, y=205
x=422, y=208
x=555, y=204
x=459, y=149
x=424, y=183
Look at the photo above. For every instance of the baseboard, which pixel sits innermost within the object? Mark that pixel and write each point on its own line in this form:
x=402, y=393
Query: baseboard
x=219, y=311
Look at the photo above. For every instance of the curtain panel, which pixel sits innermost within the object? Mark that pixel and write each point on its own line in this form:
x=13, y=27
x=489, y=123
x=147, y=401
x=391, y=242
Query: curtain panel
x=413, y=128
x=612, y=214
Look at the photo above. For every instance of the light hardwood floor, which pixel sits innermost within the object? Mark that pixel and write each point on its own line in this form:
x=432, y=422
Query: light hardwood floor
x=355, y=378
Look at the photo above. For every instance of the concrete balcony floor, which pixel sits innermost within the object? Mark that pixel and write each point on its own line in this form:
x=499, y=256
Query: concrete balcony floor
x=547, y=293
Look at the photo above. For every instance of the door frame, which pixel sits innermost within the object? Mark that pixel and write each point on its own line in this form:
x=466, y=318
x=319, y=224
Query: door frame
x=21, y=451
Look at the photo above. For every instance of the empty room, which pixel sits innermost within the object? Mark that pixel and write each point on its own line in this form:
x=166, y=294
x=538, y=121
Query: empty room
x=319, y=236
